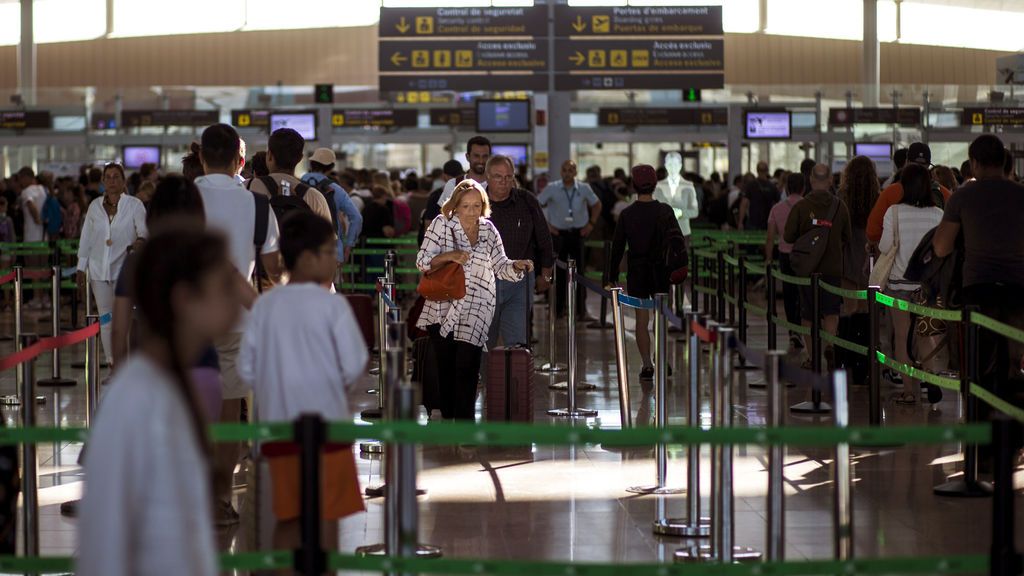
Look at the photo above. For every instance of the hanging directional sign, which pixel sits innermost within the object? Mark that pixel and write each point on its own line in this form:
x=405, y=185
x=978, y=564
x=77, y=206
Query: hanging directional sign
x=139, y=118
x=453, y=117
x=663, y=117
x=993, y=117
x=640, y=55
x=25, y=119
x=441, y=22
x=464, y=56
x=638, y=21
x=851, y=116
x=250, y=118
x=374, y=117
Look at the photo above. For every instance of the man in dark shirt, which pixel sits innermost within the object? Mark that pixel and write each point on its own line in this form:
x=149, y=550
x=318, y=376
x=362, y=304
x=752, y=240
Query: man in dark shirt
x=524, y=231
x=989, y=213
x=813, y=211
x=762, y=194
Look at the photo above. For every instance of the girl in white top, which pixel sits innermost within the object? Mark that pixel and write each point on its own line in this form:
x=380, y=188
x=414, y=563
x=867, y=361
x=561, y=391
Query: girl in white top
x=113, y=224
x=147, y=507
x=459, y=328
x=913, y=217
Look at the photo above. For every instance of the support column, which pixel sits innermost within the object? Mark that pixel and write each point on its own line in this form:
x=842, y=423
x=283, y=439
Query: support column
x=559, y=139
x=110, y=18
x=735, y=131
x=762, y=10
x=870, y=72
x=27, y=56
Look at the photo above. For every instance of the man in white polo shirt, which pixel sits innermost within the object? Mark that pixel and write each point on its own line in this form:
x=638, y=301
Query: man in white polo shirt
x=231, y=210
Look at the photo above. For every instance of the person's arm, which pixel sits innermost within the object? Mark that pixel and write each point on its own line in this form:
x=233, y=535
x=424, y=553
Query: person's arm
x=84, y=246
x=741, y=221
x=270, y=255
x=691, y=208
x=246, y=293
x=352, y=353
x=944, y=240
x=139, y=221
x=877, y=215
x=355, y=219
x=431, y=255
x=247, y=354
x=885, y=242
x=595, y=209
x=792, y=231
x=504, y=268
x=542, y=240
x=120, y=329
x=33, y=211
x=769, y=241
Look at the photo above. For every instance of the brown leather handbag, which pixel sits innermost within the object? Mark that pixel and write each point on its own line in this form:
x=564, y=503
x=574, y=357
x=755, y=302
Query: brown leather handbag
x=446, y=283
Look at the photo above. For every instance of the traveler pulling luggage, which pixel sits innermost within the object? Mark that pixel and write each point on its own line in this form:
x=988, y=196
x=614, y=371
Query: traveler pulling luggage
x=509, y=385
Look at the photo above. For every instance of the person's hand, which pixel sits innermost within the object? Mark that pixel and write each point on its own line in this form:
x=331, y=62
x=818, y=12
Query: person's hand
x=347, y=253
x=523, y=265
x=586, y=230
x=553, y=230
x=458, y=256
x=389, y=231
x=543, y=284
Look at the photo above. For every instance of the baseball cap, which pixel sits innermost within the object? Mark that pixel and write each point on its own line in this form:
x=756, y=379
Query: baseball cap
x=453, y=168
x=323, y=156
x=920, y=153
x=645, y=178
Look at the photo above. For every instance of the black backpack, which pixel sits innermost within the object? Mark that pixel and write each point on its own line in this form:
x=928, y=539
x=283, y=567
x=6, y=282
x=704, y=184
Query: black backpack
x=282, y=205
x=810, y=247
x=672, y=255
x=285, y=204
x=325, y=188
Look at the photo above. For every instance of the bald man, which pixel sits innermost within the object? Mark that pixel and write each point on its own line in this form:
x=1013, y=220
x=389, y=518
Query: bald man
x=822, y=208
x=572, y=210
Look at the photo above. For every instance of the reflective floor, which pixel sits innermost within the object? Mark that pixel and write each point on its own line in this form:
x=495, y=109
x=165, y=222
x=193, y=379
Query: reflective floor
x=571, y=504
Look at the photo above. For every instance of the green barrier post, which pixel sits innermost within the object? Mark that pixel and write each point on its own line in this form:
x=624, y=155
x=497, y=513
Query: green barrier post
x=874, y=368
x=770, y=315
x=720, y=287
x=815, y=406
x=732, y=287
x=742, y=300
x=969, y=486
x=1007, y=441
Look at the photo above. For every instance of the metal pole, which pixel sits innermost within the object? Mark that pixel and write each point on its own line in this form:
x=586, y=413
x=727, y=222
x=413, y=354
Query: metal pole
x=842, y=509
x=742, y=299
x=310, y=433
x=874, y=370
x=707, y=297
x=621, y=364
x=726, y=537
x=552, y=365
x=1006, y=444
x=776, y=541
x=92, y=375
x=695, y=267
x=720, y=288
x=606, y=251
x=19, y=370
x=770, y=306
x=88, y=310
x=571, y=410
x=30, y=480
x=815, y=406
x=731, y=274
x=382, y=349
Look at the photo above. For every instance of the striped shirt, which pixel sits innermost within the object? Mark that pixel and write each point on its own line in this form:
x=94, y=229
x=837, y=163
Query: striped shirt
x=469, y=318
x=914, y=223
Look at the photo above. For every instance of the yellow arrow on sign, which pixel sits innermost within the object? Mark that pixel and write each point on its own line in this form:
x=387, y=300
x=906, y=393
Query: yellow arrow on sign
x=402, y=26
x=397, y=58
x=578, y=58
x=579, y=25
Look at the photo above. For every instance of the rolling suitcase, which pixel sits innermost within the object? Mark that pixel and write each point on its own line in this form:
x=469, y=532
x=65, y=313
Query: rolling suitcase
x=509, y=385
x=362, y=307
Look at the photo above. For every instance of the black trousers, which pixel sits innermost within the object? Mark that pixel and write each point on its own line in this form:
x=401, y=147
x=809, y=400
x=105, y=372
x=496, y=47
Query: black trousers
x=995, y=362
x=458, y=370
x=569, y=244
x=790, y=293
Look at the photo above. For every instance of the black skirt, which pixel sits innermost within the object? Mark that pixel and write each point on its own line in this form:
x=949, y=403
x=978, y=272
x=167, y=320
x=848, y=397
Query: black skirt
x=644, y=279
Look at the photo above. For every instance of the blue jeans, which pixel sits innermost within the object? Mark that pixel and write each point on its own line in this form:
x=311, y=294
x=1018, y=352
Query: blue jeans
x=511, y=312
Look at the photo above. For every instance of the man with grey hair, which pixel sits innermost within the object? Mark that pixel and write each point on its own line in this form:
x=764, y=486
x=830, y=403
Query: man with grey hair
x=821, y=208
x=524, y=231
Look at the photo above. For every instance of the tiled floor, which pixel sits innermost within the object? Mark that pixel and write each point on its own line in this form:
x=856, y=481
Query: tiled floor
x=571, y=504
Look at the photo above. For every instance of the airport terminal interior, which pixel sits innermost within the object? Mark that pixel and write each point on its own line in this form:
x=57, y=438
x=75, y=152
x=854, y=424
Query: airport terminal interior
x=608, y=286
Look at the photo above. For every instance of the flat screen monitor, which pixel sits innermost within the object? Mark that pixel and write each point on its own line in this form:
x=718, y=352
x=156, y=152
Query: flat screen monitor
x=768, y=125
x=136, y=156
x=302, y=122
x=517, y=152
x=503, y=115
x=873, y=150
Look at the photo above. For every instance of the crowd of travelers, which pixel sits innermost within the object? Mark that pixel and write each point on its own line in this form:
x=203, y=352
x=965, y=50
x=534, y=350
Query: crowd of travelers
x=220, y=281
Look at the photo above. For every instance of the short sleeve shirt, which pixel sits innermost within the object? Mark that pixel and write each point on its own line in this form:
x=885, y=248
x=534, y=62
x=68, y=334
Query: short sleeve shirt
x=566, y=206
x=991, y=216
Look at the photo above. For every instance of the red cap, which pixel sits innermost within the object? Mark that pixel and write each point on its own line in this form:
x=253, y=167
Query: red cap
x=645, y=179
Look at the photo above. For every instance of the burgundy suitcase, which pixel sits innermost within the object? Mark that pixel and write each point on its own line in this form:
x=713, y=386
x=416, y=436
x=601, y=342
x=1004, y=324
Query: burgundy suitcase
x=509, y=385
x=362, y=308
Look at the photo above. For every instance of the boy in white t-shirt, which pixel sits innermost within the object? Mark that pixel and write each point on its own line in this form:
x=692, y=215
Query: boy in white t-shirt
x=300, y=353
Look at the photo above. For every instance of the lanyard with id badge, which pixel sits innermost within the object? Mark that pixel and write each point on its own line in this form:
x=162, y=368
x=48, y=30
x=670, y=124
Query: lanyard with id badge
x=575, y=190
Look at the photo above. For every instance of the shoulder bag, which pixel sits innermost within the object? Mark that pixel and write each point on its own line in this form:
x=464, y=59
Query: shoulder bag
x=883, y=267
x=446, y=283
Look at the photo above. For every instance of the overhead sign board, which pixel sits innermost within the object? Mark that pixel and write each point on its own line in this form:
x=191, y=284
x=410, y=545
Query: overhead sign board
x=25, y=120
x=851, y=116
x=627, y=81
x=663, y=117
x=453, y=117
x=463, y=82
x=139, y=118
x=641, y=55
x=1013, y=117
x=441, y=22
x=638, y=21
x=374, y=117
x=249, y=118
x=464, y=56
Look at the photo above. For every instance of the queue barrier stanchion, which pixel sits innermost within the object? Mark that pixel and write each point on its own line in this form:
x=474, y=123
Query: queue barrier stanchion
x=842, y=501
x=19, y=371
x=741, y=306
x=695, y=278
x=552, y=365
x=29, y=463
x=1007, y=440
x=660, y=409
x=572, y=410
x=382, y=323
x=56, y=382
x=875, y=415
x=731, y=285
x=92, y=374
x=815, y=405
x=606, y=250
x=969, y=486
x=88, y=310
x=775, y=546
x=693, y=525
x=771, y=306
x=310, y=559
x=621, y=364
x=389, y=276
x=573, y=384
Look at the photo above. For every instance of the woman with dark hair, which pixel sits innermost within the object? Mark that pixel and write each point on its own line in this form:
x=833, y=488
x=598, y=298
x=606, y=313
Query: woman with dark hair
x=903, y=227
x=149, y=436
x=114, y=223
x=191, y=165
x=859, y=189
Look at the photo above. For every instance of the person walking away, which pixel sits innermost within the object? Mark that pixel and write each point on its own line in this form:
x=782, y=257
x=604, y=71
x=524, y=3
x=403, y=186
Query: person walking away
x=32, y=199
x=299, y=357
x=149, y=437
x=114, y=223
x=988, y=213
x=459, y=328
x=572, y=211
x=918, y=153
x=284, y=152
x=776, y=229
x=904, y=225
x=641, y=228
x=232, y=210
x=520, y=222
x=347, y=219
x=816, y=210
x=761, y=195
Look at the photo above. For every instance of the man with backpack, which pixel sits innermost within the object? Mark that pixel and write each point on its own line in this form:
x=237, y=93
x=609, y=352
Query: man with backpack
x=250, y=226
x=286, y=192
x=819, y=229
x=320, y=164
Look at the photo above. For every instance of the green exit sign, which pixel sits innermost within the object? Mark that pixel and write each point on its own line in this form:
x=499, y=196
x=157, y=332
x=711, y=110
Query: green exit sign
x=691, y=95
x=324, y=93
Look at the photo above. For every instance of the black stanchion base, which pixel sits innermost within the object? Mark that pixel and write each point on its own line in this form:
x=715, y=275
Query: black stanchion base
x=762, y=384
x=375, y=371
x=371, y=414
x=57, y=383
x=598, y=325
x=702, y=554
x=682, y=528
x=422, y=551
x=655, y=490
x=549, y=367
x=964, y=489
x=81, y=365
x=378, y=491
x=576, y=413
x=810, y=408
x=581, y=387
